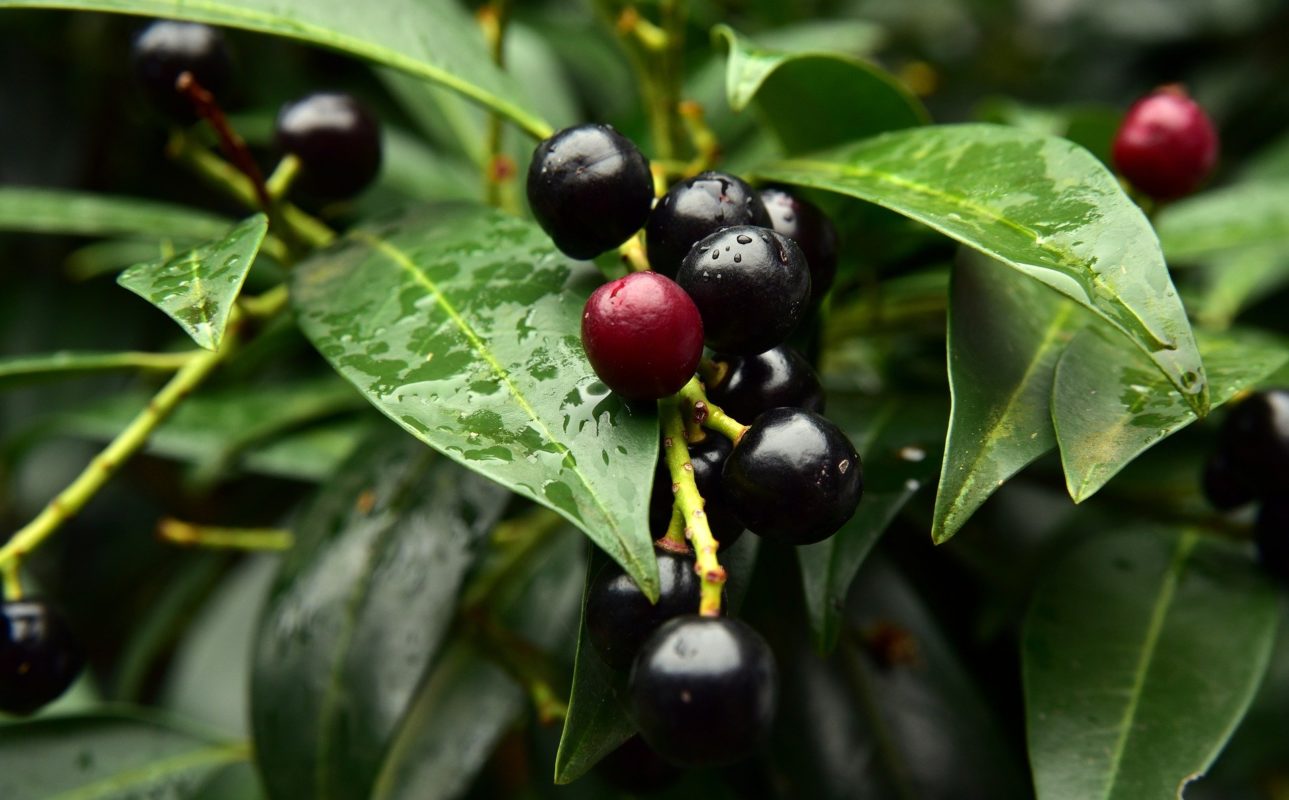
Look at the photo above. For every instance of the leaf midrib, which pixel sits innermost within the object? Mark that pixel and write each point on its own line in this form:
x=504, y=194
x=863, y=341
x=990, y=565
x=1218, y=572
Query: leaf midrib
x=405, y=263
x=213, y=755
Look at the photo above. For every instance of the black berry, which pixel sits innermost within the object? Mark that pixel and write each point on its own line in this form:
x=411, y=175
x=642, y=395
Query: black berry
x=751, y=286
x=778, y=378
x=1166, y=145
x=165, y=49
x=643, y=335
x=1225, y=485
x=1255, y=441
x=708, y=458
x=635, y=767
x=337, y=141
x=794, y=477
x=1271, y=534
x=590, y=188
x=39, y=658
x=619, y=618
x=694, y=209
x=703, y=690
x=804, y=223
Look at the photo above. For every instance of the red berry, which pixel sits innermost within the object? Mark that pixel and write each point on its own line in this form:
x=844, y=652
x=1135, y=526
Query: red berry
x=643, y=335
x=1166, y=145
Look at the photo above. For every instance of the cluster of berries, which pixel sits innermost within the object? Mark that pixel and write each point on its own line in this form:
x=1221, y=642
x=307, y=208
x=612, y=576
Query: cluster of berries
x=1251, y=464
x=735, y=270
x=336, y=139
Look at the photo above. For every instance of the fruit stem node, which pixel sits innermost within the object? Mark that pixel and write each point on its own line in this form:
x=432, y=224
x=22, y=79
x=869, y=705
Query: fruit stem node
x=713, y=417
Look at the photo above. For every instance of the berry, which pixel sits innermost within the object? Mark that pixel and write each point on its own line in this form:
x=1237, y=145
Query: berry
x=703, y=690
x=708, y=457
x=1271, y=534
x=643, y=335
x=1166, y=145
x=794, y=477
x=619, y=618
x=39, y=658
x=750, y=284
x=803, y=222
x=636, y=768
x=1225, y=485
x=1255, y=439
x=778, y=378
x=590, y=188
x=165, y=49
x=697, y=208
x=337, y=141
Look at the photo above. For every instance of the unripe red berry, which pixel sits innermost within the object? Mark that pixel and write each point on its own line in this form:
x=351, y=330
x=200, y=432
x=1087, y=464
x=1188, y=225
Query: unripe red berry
x=1166, y=145
x=643, y=335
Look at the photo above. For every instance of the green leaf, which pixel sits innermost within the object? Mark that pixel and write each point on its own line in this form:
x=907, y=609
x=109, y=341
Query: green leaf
x=85, y=214
x=1141, y=652
x=435, y=40
x=108, y=757
x=197, y=288
x=899, y=441
x=815, y=99
x=1235, y=279
x=358, y=612
x=1109, y=406
x=1041, y=205
x=1006, y=333
x=1251, y=213
x=463, y=326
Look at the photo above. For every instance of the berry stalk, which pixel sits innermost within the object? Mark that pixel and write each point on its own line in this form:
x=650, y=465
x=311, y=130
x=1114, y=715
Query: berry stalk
x=188, y=534
x=690, y=503
x=710, y=415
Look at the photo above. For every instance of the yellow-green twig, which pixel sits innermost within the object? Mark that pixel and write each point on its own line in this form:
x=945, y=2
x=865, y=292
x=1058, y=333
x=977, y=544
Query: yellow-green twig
x=186, y=533
x=710, y=415
x=690, y=502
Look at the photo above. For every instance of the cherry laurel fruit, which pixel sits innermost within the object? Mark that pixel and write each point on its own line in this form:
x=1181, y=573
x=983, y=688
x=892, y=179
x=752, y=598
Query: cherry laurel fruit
x=165, y=49
x=337, y=141
x=803, y=222
x=590, y=188
x=778, y=378
x=694, y=209
x=619, y=618
x=643, y=335
x=39, y=658
x=1166, y=145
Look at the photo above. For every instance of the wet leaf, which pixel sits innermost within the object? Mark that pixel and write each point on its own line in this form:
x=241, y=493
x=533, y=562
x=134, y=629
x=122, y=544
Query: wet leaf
x=815, y=99
x=1109, y=405
x=1006, y=334
x=899, y=441
x=197, y=288
x=61, y=211
x=1243, y=215
x=1041, y=205
x=463, y=326
x=358, y=612
x=435, y=40
x=1141, y=652
x=116, y=756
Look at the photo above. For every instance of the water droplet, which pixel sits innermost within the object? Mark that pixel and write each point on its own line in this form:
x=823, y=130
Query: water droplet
x=743, y=238
x=716, y=254
x=911, y=453
x=738, y=258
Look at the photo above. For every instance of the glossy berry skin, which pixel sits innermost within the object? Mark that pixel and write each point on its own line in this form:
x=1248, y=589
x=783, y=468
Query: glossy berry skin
x=751, y=285
x=39, y=658
x=1166, y=145
x=1271, y=534
x=643, y=335
x=1255, y=439
x=793, y=477
x=804, y=223
x=708, y=458
x=697, y=208
x=703, y=690
x=1226, y=485
x=619, y=618
x=337, y=141
x=590, y=189
x=634, y=767
x=165, y=49
x=778, y=378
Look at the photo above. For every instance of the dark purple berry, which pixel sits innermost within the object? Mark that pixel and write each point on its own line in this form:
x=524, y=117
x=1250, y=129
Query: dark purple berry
x=751, y=286
x=708, y=458
x=697, y=208
x=804, y=223
x=619, y=618
x=590, y=189
x=165, y=49
x=1166, y=145
x=1225, y=485
x=703, y=690
x=793, y=477
x=643, y=335
x=337, y=141
x=1255, y=440
x=39, y=658
x=1271, y=534
x=778, y=378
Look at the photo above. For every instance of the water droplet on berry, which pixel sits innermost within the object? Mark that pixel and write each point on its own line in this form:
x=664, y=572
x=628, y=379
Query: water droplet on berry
x=743, y=238
x=738, y=258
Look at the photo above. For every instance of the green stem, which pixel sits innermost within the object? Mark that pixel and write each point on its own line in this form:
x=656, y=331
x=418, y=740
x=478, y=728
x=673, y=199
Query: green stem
x=498, y=167
x=252, y=539
x=654, y=54
x=710, y=415
x=690, y=503
x=279, y=183
x=633, y=253
x=12, y=581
